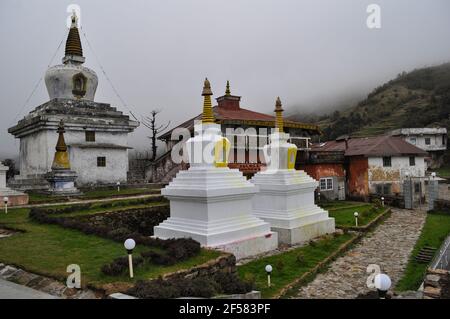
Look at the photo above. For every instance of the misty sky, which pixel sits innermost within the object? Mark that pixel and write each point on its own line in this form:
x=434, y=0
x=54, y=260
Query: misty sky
x=312, y=53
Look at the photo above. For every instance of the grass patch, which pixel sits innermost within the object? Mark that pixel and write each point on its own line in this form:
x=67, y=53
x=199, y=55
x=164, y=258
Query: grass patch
x=344, y=217
x=443, y=172
x=49, y=249
x=290, y=265
x=340, y=204
x=434, y=232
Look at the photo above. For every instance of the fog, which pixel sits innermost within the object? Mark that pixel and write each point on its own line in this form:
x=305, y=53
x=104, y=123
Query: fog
x=314, y=54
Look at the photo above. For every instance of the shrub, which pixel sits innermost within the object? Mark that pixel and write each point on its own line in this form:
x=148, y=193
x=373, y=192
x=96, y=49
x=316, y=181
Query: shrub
x=300, y=259
x=120, y=265
x=220, y=283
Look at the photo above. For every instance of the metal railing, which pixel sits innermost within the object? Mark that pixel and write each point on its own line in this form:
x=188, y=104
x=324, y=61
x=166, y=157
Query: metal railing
x=442, y=258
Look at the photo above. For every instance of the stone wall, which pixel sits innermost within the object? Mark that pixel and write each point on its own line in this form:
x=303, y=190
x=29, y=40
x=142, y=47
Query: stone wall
x=437, y=284
x=136, y=220
x=226, y=263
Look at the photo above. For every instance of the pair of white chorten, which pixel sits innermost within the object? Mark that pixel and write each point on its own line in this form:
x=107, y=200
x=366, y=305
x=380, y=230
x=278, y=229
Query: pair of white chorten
x=219, y=208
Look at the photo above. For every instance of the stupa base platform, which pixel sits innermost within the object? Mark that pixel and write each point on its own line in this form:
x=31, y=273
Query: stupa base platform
x=15, y=198
x=243, y=248
x=305, y=233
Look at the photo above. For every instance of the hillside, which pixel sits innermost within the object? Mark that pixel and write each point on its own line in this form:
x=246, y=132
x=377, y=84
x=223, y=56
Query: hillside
x=420, y=98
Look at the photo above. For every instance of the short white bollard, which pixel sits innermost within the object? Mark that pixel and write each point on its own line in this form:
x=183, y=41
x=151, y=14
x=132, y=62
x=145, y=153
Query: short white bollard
x=382, y=201
x=356, y=218
x=5, y=201
x=268, y=271
x=118, y=187
x=129, y=246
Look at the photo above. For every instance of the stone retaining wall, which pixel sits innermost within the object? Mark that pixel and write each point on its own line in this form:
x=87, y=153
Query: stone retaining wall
x=225, y=263
x=437, y=284
x=141, y=220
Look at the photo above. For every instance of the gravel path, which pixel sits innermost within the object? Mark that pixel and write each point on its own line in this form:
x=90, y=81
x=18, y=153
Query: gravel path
x=388, y=246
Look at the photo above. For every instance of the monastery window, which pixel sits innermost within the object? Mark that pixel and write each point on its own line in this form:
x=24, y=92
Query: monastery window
x=90, y=136
x=387, y=161
x=412, y=161
x=326, y=184
x=413, y=140
x=101, y=161
x=427, y=141
x=387, y=189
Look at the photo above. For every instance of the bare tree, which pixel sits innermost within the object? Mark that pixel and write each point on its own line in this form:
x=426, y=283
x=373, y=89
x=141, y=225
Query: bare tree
x=155, y=129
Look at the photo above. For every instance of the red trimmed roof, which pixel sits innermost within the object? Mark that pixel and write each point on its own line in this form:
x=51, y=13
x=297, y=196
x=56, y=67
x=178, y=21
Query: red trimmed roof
x=370, y=146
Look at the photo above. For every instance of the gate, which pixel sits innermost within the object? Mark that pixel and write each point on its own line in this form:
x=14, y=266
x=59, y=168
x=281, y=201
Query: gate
x=414, y=193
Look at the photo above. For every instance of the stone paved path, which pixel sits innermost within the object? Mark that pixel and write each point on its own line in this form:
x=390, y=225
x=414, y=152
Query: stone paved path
x=10, y=290
x=389, y=246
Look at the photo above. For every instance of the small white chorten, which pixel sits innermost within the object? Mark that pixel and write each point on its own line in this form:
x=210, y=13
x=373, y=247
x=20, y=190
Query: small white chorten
x=14, y=197
x=211, y=203
x=286, y=195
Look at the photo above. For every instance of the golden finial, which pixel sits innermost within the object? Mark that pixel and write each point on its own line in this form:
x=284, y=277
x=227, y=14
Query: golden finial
x=228, y=91
x=208, y=115
x=279, y=115
x=61, y=159
x=73, y=43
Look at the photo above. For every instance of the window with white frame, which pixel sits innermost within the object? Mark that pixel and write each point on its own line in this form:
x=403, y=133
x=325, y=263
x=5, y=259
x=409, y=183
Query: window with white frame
x=326, y=184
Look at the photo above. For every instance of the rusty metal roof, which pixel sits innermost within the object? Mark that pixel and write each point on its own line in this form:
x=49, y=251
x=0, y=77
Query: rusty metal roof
x=371, y=146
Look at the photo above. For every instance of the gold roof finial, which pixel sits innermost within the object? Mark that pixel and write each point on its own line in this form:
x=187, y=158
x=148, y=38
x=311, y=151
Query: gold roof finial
x=73, y=43
x=208, y=115
x=279, y=115
x=61, y=159
x=227, y=90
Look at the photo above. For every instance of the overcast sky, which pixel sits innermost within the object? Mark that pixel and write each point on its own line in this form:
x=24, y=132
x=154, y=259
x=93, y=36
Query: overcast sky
x=312, y=53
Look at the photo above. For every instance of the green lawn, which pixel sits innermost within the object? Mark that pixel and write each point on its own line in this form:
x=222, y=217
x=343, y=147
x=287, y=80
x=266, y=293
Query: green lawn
x=290, y=265
x=49, y=249
x=36, y=198
x=436, y=229
x=340, y=204
x=344, y=217
x=443, y=172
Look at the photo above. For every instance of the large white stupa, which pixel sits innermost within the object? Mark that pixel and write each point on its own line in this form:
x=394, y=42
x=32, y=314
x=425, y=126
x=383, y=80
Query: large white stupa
x=212, y=203
x=286, y=195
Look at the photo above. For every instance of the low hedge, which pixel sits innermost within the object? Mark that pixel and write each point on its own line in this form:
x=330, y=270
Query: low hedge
x=220, y=283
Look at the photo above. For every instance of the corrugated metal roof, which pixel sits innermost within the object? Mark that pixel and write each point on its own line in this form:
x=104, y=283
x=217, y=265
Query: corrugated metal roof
x=371, y=146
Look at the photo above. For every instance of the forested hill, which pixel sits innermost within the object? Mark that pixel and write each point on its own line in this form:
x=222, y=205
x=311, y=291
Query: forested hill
x=420, y=98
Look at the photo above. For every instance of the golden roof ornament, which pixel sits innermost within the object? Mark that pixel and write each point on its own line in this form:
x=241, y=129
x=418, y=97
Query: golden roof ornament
x=208, y=115
x=61, y=159
x=227, y=90
x=279, y=115
x=73, y=43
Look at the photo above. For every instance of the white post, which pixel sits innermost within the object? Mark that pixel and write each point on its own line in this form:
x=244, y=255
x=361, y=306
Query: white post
x=129, y=246
x=268, y=280
x=6, y=200
x=130, y=262
x=382, y=201
x=356, y=218
x=268, y=269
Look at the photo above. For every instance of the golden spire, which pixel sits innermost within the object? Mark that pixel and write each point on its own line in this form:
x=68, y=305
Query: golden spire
x=208, y=115
x=279, y=115
x=61, y=159
x=73, y=43
x=227, y=91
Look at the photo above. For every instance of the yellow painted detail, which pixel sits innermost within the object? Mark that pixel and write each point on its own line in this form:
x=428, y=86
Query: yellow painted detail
x=292, y=155
x=221, y=152
x=208, y=116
